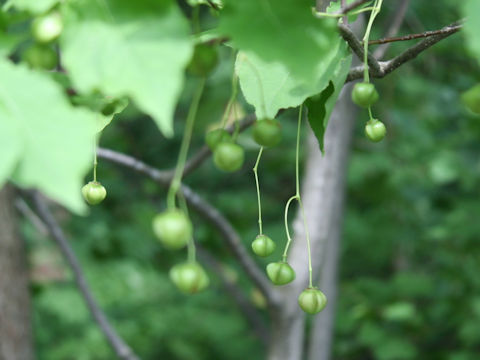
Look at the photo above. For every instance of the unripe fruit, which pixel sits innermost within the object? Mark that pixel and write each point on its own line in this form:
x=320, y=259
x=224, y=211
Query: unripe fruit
x=312, y=301
x=364, y=94
x=217, y=136
x=40, y=57
x=280, y=273
x=173, y=228
x=204, y=60
x=94, y=193
x=375, y=130
x=263, y=246
x=471, y=99
x=189, y=277
x=228, y=156
x=267, y=132
x=47, y=28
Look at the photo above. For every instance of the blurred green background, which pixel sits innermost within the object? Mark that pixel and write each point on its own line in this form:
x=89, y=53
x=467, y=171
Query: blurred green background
x=410, y=261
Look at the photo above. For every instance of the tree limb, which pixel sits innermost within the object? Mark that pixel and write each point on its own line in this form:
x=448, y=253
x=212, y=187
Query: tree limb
x=121, y=349
x=207, y=211
x=357, y=47
x=445, y=30
x=386, y=67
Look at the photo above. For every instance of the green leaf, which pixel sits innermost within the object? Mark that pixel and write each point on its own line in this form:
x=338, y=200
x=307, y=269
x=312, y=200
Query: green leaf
x=34, y=6
x=129, y=48
x=281, y=31
x=46, y=140
x=270, y=87
x=471, y=11
x=320, y=106
x=8, y=43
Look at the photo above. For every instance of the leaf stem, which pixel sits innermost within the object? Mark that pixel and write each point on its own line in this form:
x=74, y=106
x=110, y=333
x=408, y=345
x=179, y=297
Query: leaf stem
x=375, y=10
x=297, y=197
x=191, y=257
x=289, y=238
x=182, y=156
x=231, y=101
x=95, y=161
x=255, y=172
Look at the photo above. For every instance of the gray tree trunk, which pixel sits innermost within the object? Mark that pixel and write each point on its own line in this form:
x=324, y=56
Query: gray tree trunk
x=15, y=332
x=322, y=193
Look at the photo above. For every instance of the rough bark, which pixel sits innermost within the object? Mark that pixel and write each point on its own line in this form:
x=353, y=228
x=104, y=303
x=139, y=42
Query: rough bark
x=15, y=332
x=322, y=194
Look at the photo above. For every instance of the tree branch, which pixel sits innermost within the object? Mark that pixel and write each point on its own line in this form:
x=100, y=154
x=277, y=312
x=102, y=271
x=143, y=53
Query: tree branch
x=244, y=304
x=357, y=47
x=445, y=30
x=121, y=349
x=207, y=211
x=386, y=67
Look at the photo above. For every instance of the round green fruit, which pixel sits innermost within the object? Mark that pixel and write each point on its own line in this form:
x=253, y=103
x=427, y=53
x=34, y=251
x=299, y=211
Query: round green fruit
x=47, y=28
x=204, y=60
x=471, y=99
x=228, y=156
x=40, y=57
x=364, y=94
x=280, y=273
x=189, y=277
x=267, y=132
x=263, y=246
x=94, y=193
x=312, y=301
x=217, y=136
x=375, y=130
x=173, y=228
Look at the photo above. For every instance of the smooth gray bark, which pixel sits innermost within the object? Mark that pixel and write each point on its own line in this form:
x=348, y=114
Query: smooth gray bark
x=15, y=332
x=322, y=193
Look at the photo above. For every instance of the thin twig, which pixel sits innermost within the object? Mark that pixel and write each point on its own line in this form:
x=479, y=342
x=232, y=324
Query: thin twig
x=207, y=211
x=243, y=303
x=425, y=34
x=386, y=67
x=121, y=349
x=25, y=210
x=395, y=24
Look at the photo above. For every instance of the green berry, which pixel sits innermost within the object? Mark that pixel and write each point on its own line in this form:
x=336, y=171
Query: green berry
x=40, y=57
x=364, y=94
x=47, y=28
x=312, y=301
x=471, y=99
x=375, y=130
x=204, y=60
x=189, y=277
x=173, y=228
x=263, y=246
x=94, y=193
x=228, y=156
x=267, y=132
x=217, y=136
x=280, y=273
